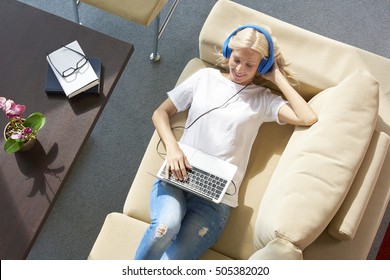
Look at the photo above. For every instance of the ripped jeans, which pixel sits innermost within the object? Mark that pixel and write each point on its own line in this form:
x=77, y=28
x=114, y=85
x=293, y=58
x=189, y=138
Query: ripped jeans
x=183, y=225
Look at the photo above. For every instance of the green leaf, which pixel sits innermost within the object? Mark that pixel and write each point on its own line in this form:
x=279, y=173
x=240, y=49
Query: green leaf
x=12, y=146
x=36, y=121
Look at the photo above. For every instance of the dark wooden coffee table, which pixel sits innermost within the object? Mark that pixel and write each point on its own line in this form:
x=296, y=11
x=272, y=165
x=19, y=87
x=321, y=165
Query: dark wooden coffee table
x=31, y=181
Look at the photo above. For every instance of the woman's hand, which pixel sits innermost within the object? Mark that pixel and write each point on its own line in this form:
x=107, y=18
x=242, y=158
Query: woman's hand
x=177, y=163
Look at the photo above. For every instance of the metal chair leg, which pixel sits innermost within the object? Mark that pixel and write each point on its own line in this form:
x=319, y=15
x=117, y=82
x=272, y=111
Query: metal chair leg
x=76, y=4
x=155, y=56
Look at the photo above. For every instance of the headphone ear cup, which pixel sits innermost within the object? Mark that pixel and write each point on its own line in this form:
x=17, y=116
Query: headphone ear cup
x=265, y=66
x=226, y=51
x=262, y=64
x=268, y=63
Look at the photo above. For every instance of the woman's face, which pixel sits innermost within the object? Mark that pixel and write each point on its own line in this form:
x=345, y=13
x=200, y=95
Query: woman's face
x=243, y=64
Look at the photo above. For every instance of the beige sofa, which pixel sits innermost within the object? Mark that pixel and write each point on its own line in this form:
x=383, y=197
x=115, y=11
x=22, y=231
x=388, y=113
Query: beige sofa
x=309, y=193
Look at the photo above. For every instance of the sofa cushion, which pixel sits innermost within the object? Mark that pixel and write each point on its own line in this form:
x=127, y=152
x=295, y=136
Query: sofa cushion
x=319, y=164
x=347, y=220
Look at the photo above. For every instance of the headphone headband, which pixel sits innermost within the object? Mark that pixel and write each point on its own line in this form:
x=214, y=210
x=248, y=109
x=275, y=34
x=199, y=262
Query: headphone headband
x=266, y=63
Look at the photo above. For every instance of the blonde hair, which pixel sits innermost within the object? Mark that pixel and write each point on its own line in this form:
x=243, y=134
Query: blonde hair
x=253, y=39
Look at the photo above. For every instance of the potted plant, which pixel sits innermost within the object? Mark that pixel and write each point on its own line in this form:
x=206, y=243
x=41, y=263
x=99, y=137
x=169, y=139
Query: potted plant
x=20, y=134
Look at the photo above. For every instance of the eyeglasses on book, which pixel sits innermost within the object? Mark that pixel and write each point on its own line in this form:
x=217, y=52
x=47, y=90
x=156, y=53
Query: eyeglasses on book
x=69, y=71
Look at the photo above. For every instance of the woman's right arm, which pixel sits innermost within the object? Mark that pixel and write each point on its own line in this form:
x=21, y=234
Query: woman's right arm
x=177, y=162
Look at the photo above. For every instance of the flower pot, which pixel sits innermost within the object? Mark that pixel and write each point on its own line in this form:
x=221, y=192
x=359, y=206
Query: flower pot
x=9, y=129
x=28, y=145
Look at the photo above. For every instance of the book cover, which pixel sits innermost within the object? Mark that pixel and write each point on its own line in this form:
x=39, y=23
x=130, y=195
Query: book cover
x=53, y=87
x=73, y=78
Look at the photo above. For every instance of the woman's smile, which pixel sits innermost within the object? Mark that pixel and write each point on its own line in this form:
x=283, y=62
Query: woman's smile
x=243, y=65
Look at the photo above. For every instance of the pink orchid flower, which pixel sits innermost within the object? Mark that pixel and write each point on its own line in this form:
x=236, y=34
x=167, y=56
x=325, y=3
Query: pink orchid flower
x=14, y=110
x=17, y=135
x=27, y=130
x=3, y=100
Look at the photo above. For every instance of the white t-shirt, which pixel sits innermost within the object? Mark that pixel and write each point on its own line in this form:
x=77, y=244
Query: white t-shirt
x=228, y=132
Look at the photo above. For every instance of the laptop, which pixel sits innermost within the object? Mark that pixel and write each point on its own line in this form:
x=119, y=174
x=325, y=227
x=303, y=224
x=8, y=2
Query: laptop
x=209, y=177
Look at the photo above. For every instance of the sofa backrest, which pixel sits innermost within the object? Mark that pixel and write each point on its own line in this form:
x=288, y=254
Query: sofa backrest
x=318, y=62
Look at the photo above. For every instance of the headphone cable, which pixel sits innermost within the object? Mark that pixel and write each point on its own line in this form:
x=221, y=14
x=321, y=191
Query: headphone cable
x=215, y=108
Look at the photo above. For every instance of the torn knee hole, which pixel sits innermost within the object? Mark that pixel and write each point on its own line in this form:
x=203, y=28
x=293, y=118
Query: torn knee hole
x=161, y=230
x=203, y=231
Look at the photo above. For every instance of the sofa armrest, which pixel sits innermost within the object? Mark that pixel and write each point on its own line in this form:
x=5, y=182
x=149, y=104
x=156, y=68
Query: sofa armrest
x=347, y=220
x=118, y=238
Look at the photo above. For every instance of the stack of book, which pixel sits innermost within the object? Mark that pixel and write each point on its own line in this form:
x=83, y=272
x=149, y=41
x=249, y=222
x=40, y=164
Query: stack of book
x=70, y=72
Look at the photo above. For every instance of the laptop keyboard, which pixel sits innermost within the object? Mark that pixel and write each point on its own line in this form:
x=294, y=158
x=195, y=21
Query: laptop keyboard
x=200, y=182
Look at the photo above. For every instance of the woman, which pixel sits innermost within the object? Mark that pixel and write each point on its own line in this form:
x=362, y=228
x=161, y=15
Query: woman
x=225, y=113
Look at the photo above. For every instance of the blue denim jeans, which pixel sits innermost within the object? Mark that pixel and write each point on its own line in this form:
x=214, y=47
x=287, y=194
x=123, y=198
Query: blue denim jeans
x=183, y=225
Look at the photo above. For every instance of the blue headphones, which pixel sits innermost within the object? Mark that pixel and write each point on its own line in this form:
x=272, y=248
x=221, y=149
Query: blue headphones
x=266, y=63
